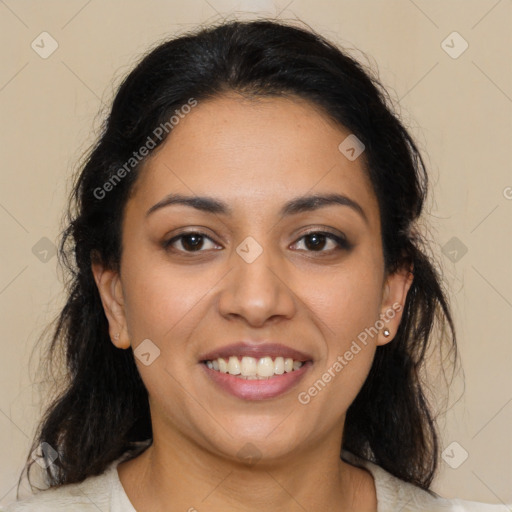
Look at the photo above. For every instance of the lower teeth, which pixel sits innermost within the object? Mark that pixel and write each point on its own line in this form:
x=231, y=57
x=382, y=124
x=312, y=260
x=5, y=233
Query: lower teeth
x=252, y=377
x=255, y=377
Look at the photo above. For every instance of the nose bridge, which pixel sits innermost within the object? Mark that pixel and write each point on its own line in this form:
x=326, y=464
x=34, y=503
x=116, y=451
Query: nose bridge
x=255, y=289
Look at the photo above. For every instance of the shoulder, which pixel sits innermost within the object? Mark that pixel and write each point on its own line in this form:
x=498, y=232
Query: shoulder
x=394, y=494
x=90, y=495
x=102, y=492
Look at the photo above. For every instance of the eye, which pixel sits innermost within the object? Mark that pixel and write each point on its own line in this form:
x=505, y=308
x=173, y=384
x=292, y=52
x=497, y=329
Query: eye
x=316, y=241
x=193, y=241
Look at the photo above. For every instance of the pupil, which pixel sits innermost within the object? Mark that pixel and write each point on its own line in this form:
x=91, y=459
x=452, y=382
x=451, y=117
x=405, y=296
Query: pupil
x=320, y=241
x=196, y=240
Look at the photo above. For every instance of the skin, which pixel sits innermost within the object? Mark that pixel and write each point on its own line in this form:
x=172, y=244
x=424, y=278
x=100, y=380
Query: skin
x=254, y=155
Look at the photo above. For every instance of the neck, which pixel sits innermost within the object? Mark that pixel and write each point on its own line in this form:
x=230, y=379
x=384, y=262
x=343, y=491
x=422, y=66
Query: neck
x=175, y=473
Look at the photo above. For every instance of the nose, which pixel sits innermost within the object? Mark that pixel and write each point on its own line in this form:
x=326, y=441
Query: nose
x=257, y=291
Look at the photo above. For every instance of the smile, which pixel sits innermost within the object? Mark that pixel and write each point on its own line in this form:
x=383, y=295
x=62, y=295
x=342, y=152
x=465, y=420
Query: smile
x=251, y=368
x=256, y=387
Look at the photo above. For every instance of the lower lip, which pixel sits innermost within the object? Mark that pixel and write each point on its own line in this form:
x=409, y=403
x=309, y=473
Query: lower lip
x=257, y=389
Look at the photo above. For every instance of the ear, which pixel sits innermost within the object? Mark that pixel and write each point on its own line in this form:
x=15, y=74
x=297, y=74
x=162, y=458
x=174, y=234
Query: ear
x=111, y=293
x=394, y=295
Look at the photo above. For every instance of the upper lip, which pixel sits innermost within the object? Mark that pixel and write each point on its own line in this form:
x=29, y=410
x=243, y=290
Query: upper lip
x=257, y=351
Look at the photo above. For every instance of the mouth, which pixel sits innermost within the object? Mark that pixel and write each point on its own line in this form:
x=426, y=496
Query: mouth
x=250, y=368
x=256, y=372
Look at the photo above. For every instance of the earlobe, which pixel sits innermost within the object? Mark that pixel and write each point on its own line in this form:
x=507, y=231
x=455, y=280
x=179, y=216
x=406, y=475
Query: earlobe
x=395, y=293
x=111, y=293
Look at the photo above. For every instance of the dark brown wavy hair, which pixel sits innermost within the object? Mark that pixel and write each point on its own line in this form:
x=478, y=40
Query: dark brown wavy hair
x=102, y=406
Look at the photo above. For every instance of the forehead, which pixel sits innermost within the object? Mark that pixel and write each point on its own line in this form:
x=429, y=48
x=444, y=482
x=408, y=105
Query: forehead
x=255, y=153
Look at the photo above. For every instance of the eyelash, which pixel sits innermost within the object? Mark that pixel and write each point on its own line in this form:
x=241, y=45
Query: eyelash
x=342, y=243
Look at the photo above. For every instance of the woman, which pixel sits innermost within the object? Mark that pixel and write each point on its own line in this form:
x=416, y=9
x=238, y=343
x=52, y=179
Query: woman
x=250, y=297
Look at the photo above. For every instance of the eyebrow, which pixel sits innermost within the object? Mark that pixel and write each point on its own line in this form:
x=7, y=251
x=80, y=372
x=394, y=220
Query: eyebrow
x=294, y=206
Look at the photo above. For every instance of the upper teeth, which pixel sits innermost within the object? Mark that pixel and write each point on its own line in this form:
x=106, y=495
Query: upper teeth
x=252, y=367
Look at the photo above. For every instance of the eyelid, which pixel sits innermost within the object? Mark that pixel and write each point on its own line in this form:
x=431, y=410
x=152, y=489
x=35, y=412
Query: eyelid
x=323, y=230
x=169, y=242
x=339, y=238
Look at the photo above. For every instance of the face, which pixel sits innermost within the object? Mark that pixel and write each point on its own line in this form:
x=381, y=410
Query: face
x=252, y=266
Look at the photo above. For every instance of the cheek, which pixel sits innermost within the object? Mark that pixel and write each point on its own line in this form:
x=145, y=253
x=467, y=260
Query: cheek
x=347, y=305
x=158, y=298
x=347, y=311
x=346, y=302
x=164, y=306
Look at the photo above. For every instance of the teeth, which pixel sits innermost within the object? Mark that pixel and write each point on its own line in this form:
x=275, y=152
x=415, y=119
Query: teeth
x=248, y=366
x=251, y=368
x=223, y=366
x=265, y=367
x=279, y=365
x=233, y=366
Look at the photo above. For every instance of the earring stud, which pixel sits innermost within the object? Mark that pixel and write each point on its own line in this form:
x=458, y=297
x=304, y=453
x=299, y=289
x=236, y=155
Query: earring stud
x=386, y=332
x=116, y=336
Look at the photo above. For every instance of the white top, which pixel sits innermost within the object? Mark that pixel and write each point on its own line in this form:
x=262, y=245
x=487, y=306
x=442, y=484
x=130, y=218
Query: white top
x=105, y=493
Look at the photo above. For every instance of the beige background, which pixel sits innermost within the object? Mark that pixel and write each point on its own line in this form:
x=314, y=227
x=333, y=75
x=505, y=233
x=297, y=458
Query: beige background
x=459, y=109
